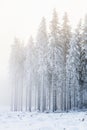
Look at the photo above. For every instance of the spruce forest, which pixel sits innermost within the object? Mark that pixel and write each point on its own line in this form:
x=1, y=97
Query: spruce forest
x=49, y=74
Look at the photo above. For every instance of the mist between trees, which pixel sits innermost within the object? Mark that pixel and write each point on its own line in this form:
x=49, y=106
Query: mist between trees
x=50, y=75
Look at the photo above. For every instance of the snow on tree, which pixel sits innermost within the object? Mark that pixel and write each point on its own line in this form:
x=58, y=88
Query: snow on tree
x=42, y=42
x=84, y=66
x=29, y=69
x=72, y=69
x=65, y=40
x=55, y=64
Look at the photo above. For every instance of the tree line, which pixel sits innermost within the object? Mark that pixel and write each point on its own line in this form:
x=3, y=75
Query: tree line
x=50, y=73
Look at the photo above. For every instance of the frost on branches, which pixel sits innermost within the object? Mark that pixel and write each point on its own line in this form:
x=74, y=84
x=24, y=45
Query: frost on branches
x=50, y=73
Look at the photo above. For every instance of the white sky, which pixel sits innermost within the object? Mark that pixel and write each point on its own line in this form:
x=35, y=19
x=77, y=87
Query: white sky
x=21, y=18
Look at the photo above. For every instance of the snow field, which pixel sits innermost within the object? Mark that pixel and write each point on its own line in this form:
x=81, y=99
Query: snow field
x=43, y=121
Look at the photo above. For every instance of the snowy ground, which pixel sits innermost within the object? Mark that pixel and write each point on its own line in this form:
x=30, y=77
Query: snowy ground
x=43, y=121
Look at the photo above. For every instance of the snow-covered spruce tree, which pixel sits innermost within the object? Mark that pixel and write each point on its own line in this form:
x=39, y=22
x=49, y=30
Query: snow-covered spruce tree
x=65, y=40
x=30, y=80
x=42, y=42
x=36, y=93
x=55, y=64
x=17, y=73
x=72, y=71
x=83, y=88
